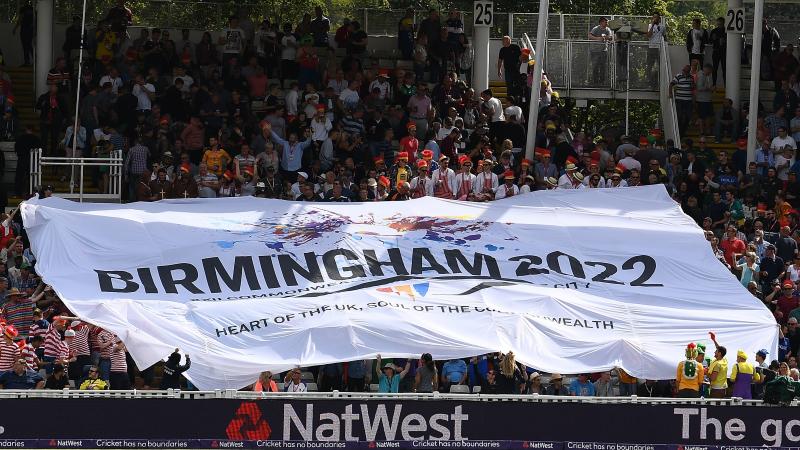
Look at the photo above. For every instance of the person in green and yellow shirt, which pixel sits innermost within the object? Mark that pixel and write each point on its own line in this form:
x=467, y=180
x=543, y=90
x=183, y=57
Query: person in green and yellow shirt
x=718, y=370
x=690, y=374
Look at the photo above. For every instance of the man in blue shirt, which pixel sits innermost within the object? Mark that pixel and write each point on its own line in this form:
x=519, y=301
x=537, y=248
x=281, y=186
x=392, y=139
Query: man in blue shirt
x=453, y=372
x=581, y=386
x=291, y=151
x=21, y=377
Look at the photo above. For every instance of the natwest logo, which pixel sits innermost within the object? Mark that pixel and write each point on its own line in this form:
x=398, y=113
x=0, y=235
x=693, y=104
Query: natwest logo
x=363, y=425
x=247, y=424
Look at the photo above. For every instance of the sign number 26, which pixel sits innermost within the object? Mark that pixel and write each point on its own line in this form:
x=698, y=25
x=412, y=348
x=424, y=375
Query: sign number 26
x=483, y=13
x=735, y=20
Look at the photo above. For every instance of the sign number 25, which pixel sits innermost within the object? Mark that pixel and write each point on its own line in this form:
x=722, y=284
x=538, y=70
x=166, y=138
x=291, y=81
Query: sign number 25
x=735, y=20
x=483, y=12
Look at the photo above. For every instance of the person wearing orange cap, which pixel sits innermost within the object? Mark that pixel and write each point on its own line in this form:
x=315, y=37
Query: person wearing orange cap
x=381, y=83
x=445, y=179
x=229, y=185
x=184, y=185
x=421, y=185
x=410, y=143
x=9, y=351
x=430, y=156
x=525, y=169
x=508, y=189
x=486, y=183
x=321, y=125
x=546, y=169
x=400, y=171
x=382, y=189
x=465, y=179
x=400, y=193
x=594, y=169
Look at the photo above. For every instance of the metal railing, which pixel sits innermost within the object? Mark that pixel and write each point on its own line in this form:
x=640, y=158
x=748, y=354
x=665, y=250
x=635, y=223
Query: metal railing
x=77, y=168
x=602, y=67
x=249, y=395
x=668, y=110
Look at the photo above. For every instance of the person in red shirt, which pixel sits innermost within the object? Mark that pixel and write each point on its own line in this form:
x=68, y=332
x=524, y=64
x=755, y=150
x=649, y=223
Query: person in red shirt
x=410, y=143
x=731, y=246
x=787, y=301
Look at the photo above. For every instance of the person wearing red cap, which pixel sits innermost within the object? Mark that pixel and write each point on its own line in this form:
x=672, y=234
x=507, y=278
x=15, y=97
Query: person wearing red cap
x=486, y=183
x=400, y=171
x=465, y=179
x=184, y=185
x=229, y=185
x=421, y=185
x=508, y=189
x=594, y=169
x=9, y=351
x=544, y=170
x=445, y=179
x=321, y=125
x=382, y=189
x=381, y=83
x=410, y=143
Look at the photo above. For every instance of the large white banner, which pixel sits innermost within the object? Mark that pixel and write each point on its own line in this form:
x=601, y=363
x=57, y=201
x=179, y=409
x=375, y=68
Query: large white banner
x=571, y=281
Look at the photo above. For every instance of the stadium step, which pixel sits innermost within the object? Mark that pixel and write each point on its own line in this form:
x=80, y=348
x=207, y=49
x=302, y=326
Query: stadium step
x=24, y=88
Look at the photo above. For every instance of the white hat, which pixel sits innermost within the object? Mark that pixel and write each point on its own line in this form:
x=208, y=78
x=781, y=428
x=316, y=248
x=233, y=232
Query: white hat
x=75, y=323
x=302, y=174
x=371, y=182
x=69, y=333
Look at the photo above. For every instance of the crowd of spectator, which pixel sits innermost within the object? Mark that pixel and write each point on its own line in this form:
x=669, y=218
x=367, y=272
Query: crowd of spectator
x=302, y=112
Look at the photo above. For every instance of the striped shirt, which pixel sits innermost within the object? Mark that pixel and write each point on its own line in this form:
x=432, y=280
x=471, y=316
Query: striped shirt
x=105, y=341
x=29, y=353
x=39, y=328
x=80, y=343
x=9, y=353
x=19, y=314
x=54, y=345
x=119, y=363
x=684, y=85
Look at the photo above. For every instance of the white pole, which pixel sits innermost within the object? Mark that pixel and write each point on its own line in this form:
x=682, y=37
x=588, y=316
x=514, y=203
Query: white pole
x=733, y=62
x=536, y=84
x=44, y=43
x=77, y=109
x=627, y=86
x=755, y=79
x=480, y=68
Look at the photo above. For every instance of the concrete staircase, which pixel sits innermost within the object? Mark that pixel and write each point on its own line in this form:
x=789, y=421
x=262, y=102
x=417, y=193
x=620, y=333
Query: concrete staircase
x=23, y=83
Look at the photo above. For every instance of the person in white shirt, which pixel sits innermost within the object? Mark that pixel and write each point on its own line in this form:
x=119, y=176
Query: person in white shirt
x=382, y=84
x=301, y=180
x=655, y=36
x=422, y=184
x=485, y=182
x=530, y=183
x=444, y=179
x=338, y=84
x=494, y=110
x=629, y=162
x=465, y=180
x=349, y=96
x=321, y=125
x=292, y=98
x=288, y=53
x=616, y=181
x=144, y=93
x=293, y=381
x=567, y=180
x=113, y=78
x=508, y=189
x=781, y=141
x=783, y=161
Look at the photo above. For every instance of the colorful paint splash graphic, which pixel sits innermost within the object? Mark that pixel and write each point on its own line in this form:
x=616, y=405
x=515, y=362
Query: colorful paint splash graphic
x=309, y=227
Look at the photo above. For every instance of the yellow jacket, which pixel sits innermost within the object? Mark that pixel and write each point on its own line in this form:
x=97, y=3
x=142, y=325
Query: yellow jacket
x=685, y=381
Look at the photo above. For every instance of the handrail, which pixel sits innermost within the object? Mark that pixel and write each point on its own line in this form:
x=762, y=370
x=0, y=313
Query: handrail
x=368, y=396
x=668, y=110
x=113, y=161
